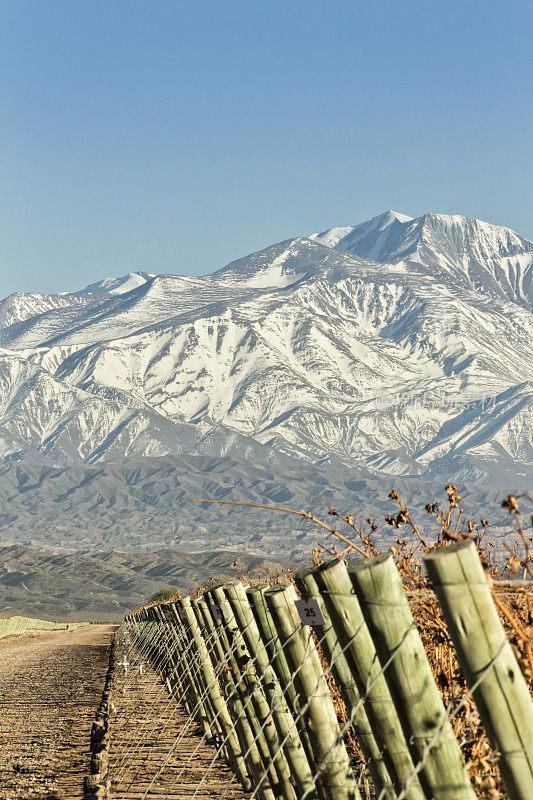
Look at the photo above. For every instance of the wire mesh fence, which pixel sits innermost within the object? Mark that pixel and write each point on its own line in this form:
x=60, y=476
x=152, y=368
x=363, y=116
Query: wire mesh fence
x=325, y=692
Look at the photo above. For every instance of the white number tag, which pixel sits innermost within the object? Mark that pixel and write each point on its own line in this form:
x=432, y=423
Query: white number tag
x=309, y=612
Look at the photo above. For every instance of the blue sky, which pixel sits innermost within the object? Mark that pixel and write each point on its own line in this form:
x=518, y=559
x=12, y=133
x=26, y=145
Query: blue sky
x=176, y=136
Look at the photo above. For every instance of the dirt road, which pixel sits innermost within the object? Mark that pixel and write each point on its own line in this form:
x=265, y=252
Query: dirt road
x=50, y=687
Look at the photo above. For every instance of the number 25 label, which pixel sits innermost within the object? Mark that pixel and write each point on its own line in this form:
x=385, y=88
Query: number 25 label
x=309, y=612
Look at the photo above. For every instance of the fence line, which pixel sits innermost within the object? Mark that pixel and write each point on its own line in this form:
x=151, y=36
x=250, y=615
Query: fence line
x=260, y=683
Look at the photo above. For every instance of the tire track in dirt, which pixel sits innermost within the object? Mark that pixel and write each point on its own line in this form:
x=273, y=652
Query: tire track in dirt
x=50, y=687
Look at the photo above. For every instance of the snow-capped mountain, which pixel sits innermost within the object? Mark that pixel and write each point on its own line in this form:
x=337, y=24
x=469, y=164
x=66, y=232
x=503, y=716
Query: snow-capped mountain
x=24, y=305
x=474, y=254
x=399, y=345
x=122, y=285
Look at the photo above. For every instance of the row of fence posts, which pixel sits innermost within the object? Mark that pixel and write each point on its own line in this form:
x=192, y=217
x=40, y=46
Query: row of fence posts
x=252, y=676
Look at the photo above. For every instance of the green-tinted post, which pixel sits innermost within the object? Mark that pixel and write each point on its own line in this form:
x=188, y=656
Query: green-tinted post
x=487, y=661
x=220, y=719
x=356, y=642
x=170, y=642
x=278, y=659
x=188, y=651
x=331, y=762
x=233, y=699
x=174, y=678
x=283, y=719
x=264, y=730
x=191, y=696
x=332, y=649
x=243, y=698
x=188, y=661
x=427, y=728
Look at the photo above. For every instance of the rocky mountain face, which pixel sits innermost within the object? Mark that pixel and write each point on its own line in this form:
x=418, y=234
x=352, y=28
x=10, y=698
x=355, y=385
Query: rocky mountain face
x=400, y=346
x=465, y=252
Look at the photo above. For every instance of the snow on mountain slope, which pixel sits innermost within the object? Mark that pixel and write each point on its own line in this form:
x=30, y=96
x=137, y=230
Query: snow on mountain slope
x=110, y=316
x=26, y=305
x=376, y=237
x=122, y=285
x=475, y=254
x=278, y=266
x=49, y=421
x=303, y=350
x=23, y=306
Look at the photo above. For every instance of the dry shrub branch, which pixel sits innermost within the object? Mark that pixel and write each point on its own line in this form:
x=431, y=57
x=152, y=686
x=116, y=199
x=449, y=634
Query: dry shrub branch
x=514, y=602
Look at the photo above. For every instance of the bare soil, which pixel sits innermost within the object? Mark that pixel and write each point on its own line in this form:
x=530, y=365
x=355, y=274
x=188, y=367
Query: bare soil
x=156, y=751
x=50, y=686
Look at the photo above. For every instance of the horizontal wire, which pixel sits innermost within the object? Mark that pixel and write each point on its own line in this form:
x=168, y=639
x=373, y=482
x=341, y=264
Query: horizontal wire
x=280, y=701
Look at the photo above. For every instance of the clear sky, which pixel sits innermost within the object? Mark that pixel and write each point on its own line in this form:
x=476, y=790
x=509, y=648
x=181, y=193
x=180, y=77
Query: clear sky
x=173, y=136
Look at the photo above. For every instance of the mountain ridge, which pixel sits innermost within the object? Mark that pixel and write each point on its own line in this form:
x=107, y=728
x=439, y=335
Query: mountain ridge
x=40, y=583
x=283, y=354
x=142, y=504
x=479, y=254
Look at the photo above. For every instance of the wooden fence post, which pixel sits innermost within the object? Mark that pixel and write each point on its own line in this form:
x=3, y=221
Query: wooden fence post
x=187, y=661
x=356, y=641
x=332, y=764
x=168, y=670
x=332, y=649
x=183, y=670
x=243, y=699
x=175, y=679
x=189, y=651
x=152, y=621
x=220, y=719
x=233, y=700
x=427, y=728
x=262, y=720
x=283, y=719
x=484, y=653
x=278, y=659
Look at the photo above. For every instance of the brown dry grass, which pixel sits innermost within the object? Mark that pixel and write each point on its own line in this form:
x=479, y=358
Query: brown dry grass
x=514, y=604
x=515, y=608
